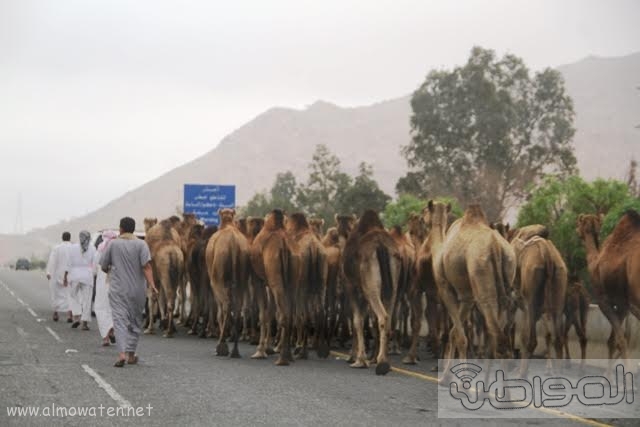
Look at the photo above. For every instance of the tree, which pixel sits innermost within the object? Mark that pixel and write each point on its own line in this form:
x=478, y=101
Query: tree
x=557, y=203
x=283, y=192
x=326, y=181
x=258, y=205
x=363, y=194
x=485, y=131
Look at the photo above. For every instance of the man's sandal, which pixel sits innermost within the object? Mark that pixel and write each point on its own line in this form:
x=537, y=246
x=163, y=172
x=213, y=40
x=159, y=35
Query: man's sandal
x=119, y=363
x=133, y=361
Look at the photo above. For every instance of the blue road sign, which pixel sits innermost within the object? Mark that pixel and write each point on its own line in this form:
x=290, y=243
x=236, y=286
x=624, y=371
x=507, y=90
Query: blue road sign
x=204, y=201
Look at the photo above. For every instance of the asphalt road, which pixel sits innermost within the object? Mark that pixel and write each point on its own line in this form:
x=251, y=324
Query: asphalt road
x=179, y=381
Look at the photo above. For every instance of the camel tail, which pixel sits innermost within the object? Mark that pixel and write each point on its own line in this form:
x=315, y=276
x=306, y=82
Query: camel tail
x=385, y=273
x=314, y=271
x=176, y=273
x=285, y=265
x=230, y=265
x=501, y=278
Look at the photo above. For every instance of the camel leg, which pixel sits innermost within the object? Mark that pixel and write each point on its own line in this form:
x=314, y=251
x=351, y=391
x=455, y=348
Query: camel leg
x=152, y=304
x=283, y=312
x=263, y=319
x=222, y=301
x=382, y=318
x=416, y=317
x=358, y=326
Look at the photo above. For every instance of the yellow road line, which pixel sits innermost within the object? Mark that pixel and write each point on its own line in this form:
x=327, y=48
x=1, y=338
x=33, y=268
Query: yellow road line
x=429, y=378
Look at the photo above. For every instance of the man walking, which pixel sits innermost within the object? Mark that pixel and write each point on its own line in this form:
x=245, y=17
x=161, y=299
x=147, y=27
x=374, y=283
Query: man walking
x=58, y=259
x=128, y=262
x=79, y=277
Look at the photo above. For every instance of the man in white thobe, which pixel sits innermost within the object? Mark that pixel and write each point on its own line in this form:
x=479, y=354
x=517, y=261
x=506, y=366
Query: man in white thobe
x=79, y=277
x=58, y=259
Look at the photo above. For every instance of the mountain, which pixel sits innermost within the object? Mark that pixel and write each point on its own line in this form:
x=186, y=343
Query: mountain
x=607, y=105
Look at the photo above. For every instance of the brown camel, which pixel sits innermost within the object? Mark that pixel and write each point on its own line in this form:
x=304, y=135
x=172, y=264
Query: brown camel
x=256, y=307
x=275, y=260
x=336, y=305
x=310, y=293
x=317, y=225
x=541, y=283
x=472, y=265
x=576, y=310
x=372, y=264
x=202, y=295
x=168, y=268
x=614, y=268
x=399, y=320
x=227, y=258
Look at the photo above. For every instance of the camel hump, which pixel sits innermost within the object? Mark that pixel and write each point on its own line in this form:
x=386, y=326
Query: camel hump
x=527, y=232
x=369, y=221
x=633, y=217
x=297, y=222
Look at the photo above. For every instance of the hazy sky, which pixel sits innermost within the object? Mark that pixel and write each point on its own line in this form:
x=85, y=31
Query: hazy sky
x=99, y=97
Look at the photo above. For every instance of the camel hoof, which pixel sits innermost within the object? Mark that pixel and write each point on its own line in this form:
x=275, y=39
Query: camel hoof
x=282, y=362
x=191, y=332
x=435, y=369
x=167, y=335
x=302, y=355
x=350, y=360
x=383, y=368
x=409, y=360
x=235, y=354
x=323, y=350
x=222, y=349
x=149, y=332
x=270, y=351
x=259, y=355
x=359, y=364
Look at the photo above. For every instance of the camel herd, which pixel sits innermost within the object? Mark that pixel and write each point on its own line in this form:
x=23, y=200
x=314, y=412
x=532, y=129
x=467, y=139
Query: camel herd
x=285, y=285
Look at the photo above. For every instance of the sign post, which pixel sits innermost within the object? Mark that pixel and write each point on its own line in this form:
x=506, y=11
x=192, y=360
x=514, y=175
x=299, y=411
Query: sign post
x=204, y=201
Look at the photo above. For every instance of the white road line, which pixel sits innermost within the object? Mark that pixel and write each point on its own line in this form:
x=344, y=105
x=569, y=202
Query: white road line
x=21, y=332
x=122, y=402
x=52, y=332
x=33, y=313
x=20, y=301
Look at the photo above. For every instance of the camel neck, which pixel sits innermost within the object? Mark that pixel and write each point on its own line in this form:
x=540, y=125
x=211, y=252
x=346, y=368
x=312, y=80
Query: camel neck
x=436, y=239
x=591, y=247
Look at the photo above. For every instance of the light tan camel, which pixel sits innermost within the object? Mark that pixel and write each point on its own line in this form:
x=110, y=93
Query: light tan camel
x=473, y=265
x=372, y=266
x=227, y=258
x=541, y=282
x=275, y=260
x=311, y=290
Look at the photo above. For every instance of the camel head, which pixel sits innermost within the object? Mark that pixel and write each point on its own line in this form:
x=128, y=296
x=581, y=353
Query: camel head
x=149, y=222
x=296, y=223
x=332, y=238
x=274, y=220
x=416, y=225
x=589, y=225
x=438, y=214
x=344, y=224
x=226, y=216
x=189, y=219
x=317, y=225
x=254, y=225
x=241, y=224
x=368, y=221
x=175, y=221
x=501, y=228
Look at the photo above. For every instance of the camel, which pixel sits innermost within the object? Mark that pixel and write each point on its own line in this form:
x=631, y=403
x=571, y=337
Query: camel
x=399, y=327
x=184, y=228
x=310, y=293
x=227, y=257
x=336, y=305
x=614, y=268
x=275, y=260
x=576, y=309
x=417, y=230
x=317, y=225
x=372, y=265
x=256, y=308
x=472, y=265
x=168, y=268
x=202, y=296
x=541, y=283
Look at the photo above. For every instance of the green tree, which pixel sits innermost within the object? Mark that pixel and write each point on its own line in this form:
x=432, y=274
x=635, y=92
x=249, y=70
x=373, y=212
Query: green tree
x=258, y=205
x=363, y=194
x=326, y=181
x=487, y=130
x=283, y=192
x=557, y=203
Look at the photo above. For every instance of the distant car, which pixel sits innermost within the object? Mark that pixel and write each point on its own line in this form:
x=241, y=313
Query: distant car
x=23, y=264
